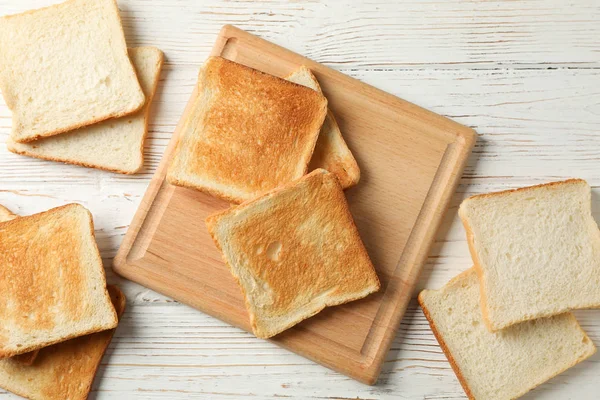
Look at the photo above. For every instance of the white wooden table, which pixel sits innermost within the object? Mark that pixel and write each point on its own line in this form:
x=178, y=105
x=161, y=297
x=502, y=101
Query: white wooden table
x=525, y=75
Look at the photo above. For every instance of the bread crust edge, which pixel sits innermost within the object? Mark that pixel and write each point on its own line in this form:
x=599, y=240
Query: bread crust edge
x=445, y=349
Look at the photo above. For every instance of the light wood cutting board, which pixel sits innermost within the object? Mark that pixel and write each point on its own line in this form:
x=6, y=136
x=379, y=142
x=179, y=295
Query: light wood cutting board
x=410, y=160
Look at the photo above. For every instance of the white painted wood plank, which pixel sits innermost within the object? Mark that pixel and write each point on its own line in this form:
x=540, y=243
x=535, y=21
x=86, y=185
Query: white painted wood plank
x=167, y=350
x=482, y=63
x=535, y=125
x=375, y=33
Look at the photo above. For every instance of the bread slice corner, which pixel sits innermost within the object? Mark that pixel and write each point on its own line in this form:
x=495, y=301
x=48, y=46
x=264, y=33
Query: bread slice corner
x=505, y=364
x=39, y=381
x=6, y=214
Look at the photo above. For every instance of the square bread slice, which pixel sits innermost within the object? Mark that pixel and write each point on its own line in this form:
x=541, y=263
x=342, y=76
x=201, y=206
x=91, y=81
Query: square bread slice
x=500, y=365
x=115, y=144
x=66, y=66
x=65, y=370
x=331, y=152
x=294, y=251
x=248, y=132
x=52, y=283
x=25, y=358
x=536, y=250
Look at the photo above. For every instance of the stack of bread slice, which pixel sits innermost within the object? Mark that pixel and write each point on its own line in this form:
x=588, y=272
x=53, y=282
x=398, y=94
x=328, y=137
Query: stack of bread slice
x=292, y=244
x=536, y=256
x=58, y=315
x=76, y=93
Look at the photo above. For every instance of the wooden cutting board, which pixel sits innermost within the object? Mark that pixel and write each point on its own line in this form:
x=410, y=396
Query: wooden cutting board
x=410, y=159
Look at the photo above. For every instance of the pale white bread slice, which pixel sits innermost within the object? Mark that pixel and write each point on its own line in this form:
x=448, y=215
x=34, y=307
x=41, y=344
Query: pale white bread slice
x=65, y=370
x=506, y=364
x=115, y=144
x=536, y=250
x=331, y=151
x=25, y=358
x=248, y=132
x=294, y=251
x=66, y=66
x=52, y=283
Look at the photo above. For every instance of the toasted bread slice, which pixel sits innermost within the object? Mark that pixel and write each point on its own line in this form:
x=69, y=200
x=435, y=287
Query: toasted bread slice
x=294, y=251
x=248, y=132
x=25, y=358
x=66, y=66
x=114, y=145
x=53, y=285
x=331, y=152
x=500, y=365
x=536, y=250
x=65, y=370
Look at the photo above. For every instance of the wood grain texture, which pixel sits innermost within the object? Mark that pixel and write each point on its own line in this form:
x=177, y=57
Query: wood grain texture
x=525, y=75
x=168, y=247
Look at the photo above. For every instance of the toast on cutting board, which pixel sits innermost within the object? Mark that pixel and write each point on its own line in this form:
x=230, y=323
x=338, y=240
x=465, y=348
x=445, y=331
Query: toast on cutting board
x=66, y=66
x=536, y=251
x=53, y=281
x=506, y=364
x=115, y=144
x=25, y=358
x=331, y=151
x=65, y=370
x=248, y=132
x=294, y=251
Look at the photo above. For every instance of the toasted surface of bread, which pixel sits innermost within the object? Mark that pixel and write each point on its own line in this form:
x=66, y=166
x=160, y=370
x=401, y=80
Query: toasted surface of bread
x=331, y=151
x=115, y=144
x=52, y=282
x=249, y=132
x=294, y=251
x=65, y=66
x=25, y=358
x=65, y=370
x=536, y=250
x=505, y=364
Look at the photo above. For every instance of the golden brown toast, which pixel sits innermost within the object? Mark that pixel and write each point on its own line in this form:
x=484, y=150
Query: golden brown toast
x=25, y=358
x=52, y=283
x=248, y=132
x=65, y=370
x=331, y=152
x=294, y=251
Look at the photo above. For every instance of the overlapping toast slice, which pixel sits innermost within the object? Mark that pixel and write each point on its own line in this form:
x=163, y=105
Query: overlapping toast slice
x=294, y=251
x=506, y=364
x=64, y=370
x=248, y=132
x=331, y=152
x=52, y=282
